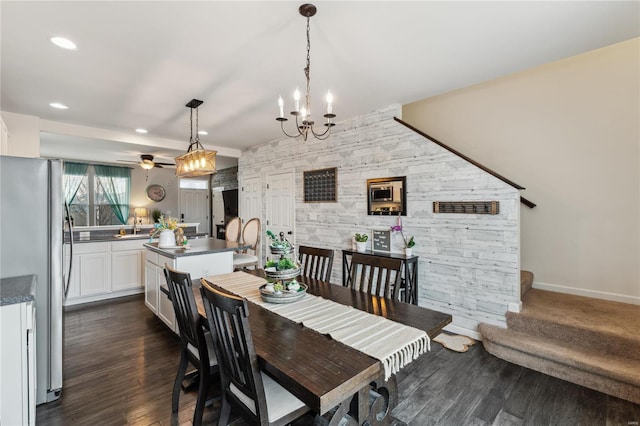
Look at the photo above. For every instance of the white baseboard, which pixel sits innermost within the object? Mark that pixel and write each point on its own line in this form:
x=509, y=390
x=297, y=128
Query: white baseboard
x=100, y=297
x=455, y=329
x=615, y=297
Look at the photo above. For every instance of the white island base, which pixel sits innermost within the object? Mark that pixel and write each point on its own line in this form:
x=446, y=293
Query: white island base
x=206, y=257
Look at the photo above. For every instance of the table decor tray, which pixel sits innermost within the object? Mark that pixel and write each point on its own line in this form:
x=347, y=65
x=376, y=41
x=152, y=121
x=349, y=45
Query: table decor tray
x=283, y=297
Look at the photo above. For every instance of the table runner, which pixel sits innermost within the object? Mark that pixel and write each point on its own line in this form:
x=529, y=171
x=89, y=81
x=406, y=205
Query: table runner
x=394, y=344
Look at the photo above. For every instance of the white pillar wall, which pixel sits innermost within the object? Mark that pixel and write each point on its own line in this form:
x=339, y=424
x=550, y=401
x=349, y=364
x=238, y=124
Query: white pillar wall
x=469, y=264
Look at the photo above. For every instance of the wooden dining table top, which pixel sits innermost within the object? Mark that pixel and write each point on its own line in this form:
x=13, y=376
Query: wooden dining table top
x=320, y=371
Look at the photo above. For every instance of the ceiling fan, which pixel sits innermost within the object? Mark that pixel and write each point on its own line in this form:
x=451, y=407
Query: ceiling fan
x=147, y=163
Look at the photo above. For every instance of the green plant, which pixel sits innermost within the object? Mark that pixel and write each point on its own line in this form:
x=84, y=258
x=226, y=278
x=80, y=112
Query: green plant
x=156, y=214
x=411, y=243
x=362, y=238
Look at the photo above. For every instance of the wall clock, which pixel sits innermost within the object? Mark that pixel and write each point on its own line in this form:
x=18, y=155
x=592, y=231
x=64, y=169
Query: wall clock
x=156, y=192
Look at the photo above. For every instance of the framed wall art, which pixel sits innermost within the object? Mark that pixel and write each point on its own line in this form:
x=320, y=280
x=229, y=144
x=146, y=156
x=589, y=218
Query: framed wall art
x=320, y=186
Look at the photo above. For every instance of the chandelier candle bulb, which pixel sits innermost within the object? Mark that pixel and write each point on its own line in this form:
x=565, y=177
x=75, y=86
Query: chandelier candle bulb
x=296, y=98
x=281, y=105
x=329, y=103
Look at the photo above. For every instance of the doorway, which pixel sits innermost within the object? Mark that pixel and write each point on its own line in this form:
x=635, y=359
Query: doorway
x=281, y=205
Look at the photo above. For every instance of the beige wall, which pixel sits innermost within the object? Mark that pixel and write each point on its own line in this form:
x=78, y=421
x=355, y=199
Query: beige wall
x=23, y=135
x=165, y=177
x=570, y=133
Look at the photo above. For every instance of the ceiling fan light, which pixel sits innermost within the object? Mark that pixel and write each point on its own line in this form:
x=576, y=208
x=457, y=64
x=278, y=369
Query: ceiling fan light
x=147, y=165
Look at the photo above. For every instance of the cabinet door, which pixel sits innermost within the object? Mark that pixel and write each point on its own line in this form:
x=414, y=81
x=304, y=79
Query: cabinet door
x=165, y=307
x=151, y=287
x=126, y=270
x=95, y=274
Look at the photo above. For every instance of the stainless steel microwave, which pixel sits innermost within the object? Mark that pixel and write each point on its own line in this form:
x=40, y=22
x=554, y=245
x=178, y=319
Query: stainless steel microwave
x=382, y=193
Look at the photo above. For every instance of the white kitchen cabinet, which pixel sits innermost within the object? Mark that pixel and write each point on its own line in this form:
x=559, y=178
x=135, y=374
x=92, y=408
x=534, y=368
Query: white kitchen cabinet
x=103, y=270
x=17, y=364
x=155, y=299
x=127, y=265
x=151, y=286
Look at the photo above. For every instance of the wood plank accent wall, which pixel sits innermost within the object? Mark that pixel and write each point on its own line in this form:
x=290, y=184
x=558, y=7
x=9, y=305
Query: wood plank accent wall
x=469, y=264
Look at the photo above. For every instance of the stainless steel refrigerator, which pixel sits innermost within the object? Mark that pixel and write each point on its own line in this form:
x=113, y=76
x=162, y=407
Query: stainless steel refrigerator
x=31, y=242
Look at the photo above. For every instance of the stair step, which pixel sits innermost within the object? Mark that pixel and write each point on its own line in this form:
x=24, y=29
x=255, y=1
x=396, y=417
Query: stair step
x=613, y=375
x=611, y=328
x=526, y=281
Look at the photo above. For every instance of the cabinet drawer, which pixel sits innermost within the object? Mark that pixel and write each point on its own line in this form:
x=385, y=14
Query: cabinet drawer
x=151, y=256
x=84, y=248
x=163, y=259
x=128, y=245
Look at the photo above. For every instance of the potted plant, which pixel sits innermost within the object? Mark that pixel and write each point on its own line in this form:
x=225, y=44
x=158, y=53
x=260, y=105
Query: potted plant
x=156, y=214
x=165, y=229
x=361, y=241
x=407, y=243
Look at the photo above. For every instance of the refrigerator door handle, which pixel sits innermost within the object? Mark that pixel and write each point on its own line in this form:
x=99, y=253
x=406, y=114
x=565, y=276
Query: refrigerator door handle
x=70, y=225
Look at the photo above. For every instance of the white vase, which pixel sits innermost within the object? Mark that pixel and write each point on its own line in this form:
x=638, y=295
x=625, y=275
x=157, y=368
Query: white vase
x=361, y=246
x=167, y=238
x=407, y=251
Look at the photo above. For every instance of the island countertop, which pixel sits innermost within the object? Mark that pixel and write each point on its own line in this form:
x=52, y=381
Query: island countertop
x=198, y=247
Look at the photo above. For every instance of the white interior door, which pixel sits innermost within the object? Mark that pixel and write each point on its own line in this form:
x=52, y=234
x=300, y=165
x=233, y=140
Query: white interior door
x=281, y=205
x=250, y=199
x=194, y=208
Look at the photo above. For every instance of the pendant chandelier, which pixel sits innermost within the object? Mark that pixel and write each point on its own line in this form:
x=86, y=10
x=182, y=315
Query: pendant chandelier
x=197, y=161
x=304, y=122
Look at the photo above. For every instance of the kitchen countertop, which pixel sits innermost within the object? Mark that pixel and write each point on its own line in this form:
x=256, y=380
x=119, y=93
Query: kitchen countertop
x=17, y=289
x=128, y=237
x=198, y=247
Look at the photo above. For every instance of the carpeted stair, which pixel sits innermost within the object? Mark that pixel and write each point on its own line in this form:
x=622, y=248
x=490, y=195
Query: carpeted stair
x=591, y=342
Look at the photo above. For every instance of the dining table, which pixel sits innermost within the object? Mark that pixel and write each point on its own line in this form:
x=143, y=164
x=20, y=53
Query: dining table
x=340, y=384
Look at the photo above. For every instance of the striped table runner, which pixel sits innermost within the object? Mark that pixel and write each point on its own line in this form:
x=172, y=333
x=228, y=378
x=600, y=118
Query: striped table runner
x=394, y=344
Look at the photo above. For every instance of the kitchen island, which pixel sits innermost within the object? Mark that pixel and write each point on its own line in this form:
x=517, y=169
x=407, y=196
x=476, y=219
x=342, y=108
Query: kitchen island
x=204, y=257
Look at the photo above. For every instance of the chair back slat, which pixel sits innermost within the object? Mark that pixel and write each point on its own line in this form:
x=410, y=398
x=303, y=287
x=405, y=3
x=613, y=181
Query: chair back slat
x=185, y=308
x=316, y=262
x=227, y=315
x=380, y=276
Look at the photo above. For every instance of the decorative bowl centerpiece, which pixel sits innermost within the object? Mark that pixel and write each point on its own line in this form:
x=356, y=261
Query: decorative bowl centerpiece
x=276, y=293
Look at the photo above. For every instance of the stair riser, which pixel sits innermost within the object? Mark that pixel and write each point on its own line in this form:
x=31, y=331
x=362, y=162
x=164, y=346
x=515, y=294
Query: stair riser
x=606, y=343
x=552, y=368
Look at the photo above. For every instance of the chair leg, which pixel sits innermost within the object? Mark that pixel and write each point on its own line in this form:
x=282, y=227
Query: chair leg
x=182, y=369
x=203, y=391
x=225, y=411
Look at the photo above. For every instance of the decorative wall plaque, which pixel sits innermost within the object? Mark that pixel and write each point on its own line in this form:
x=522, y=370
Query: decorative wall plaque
x=467, y=207
x=381, y=240
x=320, y=186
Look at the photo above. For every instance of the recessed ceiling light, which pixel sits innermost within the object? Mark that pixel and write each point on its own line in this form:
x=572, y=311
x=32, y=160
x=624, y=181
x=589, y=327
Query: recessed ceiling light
x=58, y=105
x=141, y=130
x=203, y=132
x=65, y=43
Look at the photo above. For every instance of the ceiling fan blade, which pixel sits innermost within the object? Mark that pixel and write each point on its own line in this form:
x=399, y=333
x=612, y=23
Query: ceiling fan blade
x=158, y=166
x=164, y=164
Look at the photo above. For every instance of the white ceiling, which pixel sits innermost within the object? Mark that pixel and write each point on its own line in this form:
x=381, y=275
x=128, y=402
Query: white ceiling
x=139, y=63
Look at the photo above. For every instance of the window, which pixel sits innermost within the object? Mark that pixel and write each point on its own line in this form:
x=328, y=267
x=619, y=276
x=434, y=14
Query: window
x=193, y=184
x=102, y=195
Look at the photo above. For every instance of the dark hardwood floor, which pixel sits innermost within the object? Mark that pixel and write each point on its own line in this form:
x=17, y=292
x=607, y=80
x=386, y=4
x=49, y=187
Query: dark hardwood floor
x=120, y=363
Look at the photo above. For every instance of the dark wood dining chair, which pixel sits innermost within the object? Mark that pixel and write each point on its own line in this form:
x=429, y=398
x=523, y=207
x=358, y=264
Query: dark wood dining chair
x=316, y=262
x=255, y=395
x=196, y=343
x=380, y=276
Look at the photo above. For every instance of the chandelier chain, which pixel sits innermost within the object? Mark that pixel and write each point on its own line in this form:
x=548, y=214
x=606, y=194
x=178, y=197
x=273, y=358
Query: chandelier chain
x=307, y=70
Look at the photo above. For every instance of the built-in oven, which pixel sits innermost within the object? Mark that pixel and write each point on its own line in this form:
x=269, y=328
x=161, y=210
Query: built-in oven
x=382, y=193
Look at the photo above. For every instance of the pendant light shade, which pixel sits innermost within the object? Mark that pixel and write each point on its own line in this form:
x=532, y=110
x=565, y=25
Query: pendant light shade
x=197, y=161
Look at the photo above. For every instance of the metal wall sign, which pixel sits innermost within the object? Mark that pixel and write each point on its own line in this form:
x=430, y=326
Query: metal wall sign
x=467, y=207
